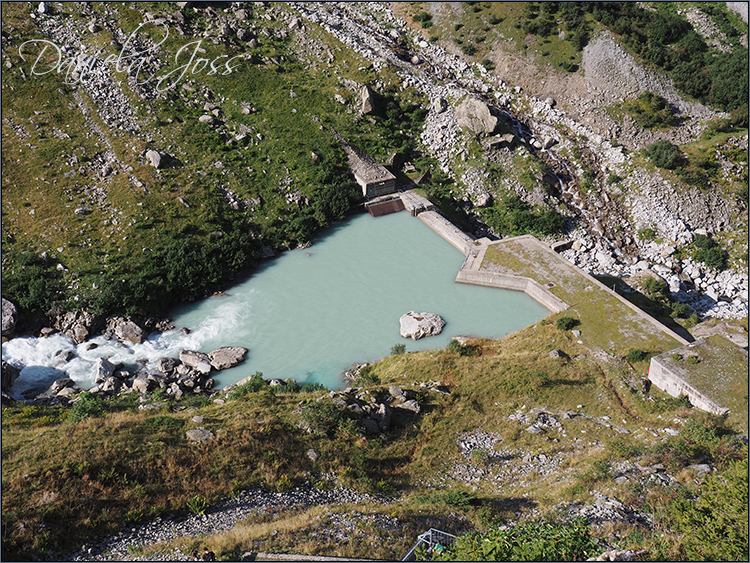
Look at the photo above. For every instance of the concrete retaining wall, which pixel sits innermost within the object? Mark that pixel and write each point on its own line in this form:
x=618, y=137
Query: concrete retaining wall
x=447, y=230
x=517, y=283
x=669, y=382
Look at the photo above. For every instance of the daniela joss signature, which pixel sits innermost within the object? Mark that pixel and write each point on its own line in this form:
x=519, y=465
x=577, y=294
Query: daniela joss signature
x=79, y=67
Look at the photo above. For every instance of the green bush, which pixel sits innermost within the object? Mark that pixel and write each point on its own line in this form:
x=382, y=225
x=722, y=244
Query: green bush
x=253, y=385
x=651, y=110
x=679, y=310
x=511, y=216
x=664, y=154
x=714, y=526
x=462, y=349
x=320, y=417
x=529, y=541
x=197, y=505
x=708, y=251
x=455, y=498
x=636, y=356
x=88, y=405
x=398, y=349
x=567, y=323
x=713, y=257
x=693, y=360
x=655, y=288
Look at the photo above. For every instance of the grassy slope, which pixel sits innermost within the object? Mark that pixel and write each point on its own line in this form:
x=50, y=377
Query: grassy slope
x=131, y=465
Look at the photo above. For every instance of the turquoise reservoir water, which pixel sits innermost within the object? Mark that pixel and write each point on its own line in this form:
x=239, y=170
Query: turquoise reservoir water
x=310, y=313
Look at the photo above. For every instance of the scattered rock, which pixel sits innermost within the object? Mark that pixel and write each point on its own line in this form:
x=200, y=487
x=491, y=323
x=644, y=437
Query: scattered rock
x=199, y=435
x=196, y=360
x=9, y=375
x=367, y=101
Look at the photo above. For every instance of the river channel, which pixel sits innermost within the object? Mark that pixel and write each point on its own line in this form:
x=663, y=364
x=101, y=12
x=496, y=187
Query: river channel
x=309, y=314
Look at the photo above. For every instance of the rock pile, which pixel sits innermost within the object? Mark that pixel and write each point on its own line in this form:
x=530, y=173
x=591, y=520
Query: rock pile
x=375, y=409
x=190, y=374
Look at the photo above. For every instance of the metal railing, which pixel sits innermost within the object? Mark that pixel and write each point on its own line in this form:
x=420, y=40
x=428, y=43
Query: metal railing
x=431, y=539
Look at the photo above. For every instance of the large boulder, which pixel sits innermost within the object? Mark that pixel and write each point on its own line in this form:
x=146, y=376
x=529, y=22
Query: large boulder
x=474, y=115
x=197, y=360
x=417, y=325
x=126, y=329
x=104, y=369
x=10, y=317
x=156, y=159
x=9, y=374
x=227, y=357
x=367, y=101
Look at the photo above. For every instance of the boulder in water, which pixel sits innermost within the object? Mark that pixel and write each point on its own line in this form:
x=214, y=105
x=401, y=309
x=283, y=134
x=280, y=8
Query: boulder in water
x=417, y=325
x=227, y=357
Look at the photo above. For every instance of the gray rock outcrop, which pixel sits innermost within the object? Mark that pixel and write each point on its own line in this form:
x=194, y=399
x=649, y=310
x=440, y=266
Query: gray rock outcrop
x=417, y=325
x=474, y=115
x=10, y=317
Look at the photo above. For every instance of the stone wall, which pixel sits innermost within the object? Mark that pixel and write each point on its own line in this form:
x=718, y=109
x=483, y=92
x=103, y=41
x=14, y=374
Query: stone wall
x=447, y=230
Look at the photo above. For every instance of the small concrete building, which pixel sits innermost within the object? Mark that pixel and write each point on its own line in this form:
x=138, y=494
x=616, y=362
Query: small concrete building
x=712, y=372
x=374, y=179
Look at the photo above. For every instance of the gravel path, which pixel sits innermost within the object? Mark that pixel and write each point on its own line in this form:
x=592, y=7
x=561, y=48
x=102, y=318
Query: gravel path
x=221, y=517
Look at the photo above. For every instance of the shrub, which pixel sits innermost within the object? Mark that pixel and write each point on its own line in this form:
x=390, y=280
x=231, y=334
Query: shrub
x=528, y=541
x=320, y=417
x=87, y=405
x=567, y=323
x=693, y=360
x=462, y=349
x=647, y=233
x=677, y=357
x=253, y=385
x=651, y=110
x=468, y=49
x=197, y=505
x=664, y=154
x=636, y=356
x=456, y=499
x=713, y=257
x=679, y=310
x=511, y=216
x=655, y=288
x=398, y=349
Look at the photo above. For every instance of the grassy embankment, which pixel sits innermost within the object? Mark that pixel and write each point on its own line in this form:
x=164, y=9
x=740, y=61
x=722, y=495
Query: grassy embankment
x=69, y=482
